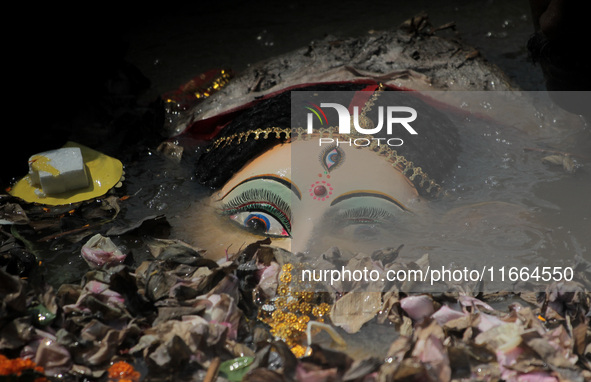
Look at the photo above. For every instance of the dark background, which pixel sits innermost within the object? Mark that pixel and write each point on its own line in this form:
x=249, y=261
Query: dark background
x=95, y=74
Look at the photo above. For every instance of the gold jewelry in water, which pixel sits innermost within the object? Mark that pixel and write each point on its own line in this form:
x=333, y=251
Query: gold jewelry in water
x=292, y=312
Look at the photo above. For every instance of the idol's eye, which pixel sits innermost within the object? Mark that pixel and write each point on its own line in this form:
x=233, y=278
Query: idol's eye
x=259, y=211
x=331, y=158
x=364, y=215
x=363, y=223
x=260, y=223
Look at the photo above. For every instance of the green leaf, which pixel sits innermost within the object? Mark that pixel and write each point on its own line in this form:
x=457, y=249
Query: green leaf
x=42, y=315
x=234, y=369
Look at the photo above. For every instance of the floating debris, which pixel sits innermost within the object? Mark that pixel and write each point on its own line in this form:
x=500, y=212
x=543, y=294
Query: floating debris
x=101, y=251
x=567, y=162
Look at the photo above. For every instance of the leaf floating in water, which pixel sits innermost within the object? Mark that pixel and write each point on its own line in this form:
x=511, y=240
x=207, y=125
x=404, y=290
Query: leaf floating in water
x=568, y=164
x=553, y=159
x=334, y=335
x=561, y=160
x=13, y=213
x=355, y=309
x=101, y=251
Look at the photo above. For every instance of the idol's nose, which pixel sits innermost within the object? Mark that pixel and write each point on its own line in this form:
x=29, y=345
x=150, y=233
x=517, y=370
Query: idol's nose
x=310, y=240
x=310, y=226
x=301, y=236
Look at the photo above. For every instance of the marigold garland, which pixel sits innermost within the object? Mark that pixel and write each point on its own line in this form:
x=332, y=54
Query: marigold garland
x=17, y=366
x=123, y=372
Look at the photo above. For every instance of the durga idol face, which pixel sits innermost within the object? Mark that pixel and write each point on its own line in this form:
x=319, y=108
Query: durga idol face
x=308, y=197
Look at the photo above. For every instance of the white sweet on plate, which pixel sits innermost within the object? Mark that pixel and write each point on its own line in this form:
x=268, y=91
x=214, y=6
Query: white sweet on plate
x=58, y=171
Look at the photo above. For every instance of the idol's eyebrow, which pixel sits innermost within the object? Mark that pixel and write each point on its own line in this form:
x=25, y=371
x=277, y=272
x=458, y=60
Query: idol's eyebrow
x=368, y=193
x=284, y=181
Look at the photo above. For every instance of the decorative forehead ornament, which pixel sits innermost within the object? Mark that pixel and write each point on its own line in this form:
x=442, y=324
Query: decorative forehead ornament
x=320, y=190
x=332, y=158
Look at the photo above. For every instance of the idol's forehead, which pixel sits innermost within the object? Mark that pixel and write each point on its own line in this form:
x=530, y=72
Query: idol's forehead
x=275, y=161
x=305, y=163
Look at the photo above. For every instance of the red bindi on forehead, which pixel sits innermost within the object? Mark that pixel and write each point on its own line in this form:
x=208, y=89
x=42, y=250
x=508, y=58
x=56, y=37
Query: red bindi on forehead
x=321, y=189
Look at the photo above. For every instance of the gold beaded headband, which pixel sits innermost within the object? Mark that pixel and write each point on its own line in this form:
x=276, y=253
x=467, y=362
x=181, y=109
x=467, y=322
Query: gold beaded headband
x=406, y=167
x=242, y=137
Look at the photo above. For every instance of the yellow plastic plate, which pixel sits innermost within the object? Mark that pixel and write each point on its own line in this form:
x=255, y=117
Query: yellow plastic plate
x=104, y=172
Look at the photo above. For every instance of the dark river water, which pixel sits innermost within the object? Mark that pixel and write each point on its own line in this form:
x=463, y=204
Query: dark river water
x=172, y=45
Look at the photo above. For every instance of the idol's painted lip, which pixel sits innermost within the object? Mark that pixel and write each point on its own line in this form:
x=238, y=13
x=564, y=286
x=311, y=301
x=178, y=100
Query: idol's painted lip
x=369, y=193
x=284, y=181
